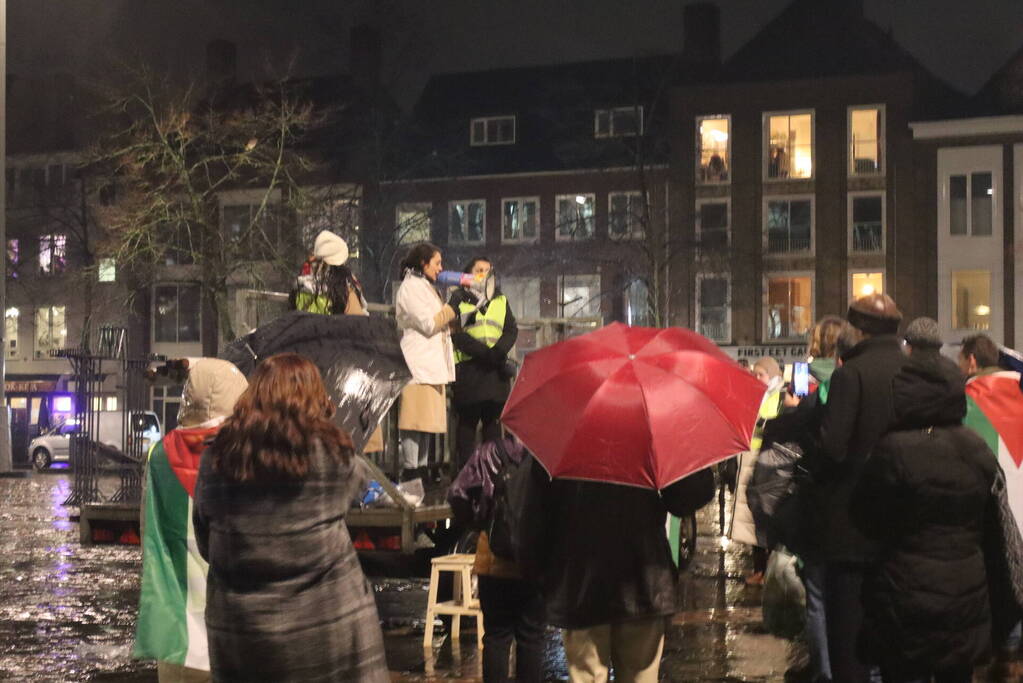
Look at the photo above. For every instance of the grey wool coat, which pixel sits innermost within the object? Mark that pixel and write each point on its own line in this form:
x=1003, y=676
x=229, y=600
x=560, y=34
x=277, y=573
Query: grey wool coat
x=286, y=599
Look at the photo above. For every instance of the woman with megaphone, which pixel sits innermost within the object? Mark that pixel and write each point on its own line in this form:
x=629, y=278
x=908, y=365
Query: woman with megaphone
x=424, y=322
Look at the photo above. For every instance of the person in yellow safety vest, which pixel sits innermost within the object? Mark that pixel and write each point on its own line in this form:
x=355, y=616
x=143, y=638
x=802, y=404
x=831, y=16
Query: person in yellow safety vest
x=482, y=371
x=742, y=527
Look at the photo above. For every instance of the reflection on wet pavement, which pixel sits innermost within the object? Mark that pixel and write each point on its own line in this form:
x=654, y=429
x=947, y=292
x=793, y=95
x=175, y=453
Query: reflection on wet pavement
x=67, y=613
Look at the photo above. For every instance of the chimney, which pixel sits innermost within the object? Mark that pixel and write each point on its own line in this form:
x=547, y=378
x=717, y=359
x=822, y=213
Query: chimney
x=221, y=61
x=701, y=31
x=364, y=58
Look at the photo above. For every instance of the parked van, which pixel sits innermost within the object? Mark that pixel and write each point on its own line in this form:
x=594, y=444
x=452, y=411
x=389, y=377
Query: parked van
x=54, y=445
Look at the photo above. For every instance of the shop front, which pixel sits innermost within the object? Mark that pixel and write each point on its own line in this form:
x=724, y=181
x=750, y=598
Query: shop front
x=37, y=402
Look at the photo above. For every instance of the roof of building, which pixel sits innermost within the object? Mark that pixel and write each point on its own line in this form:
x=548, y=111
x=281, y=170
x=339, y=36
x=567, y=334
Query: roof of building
x=1003, y=92
x=832, y=38
x=554, y=106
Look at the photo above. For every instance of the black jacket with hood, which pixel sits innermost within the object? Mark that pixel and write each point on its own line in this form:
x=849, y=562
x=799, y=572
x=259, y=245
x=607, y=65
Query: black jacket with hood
x=925, y=497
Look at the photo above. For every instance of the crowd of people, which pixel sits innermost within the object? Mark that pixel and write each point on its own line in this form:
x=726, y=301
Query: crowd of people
x=249, y=572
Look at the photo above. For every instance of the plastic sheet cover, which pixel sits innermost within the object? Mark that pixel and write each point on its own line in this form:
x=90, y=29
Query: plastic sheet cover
x=359, y=357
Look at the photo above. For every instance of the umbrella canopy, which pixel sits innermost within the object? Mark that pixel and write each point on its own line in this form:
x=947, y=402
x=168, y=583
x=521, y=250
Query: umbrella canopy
x=359, y=357
x=633, y=405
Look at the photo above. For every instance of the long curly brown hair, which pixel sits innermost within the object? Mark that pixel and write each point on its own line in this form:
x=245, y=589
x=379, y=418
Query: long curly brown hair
x=276, y=422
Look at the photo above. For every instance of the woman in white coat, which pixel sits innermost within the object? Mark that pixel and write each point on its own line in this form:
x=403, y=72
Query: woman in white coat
x=423, y=320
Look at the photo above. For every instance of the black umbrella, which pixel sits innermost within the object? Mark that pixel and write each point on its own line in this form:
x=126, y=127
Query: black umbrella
x=359, y=357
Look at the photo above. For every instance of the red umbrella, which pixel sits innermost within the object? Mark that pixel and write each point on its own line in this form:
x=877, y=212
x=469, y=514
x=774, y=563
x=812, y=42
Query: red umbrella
x=633, y=405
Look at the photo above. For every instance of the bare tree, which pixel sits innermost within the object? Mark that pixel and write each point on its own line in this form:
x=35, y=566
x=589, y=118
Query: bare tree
x=176, y=152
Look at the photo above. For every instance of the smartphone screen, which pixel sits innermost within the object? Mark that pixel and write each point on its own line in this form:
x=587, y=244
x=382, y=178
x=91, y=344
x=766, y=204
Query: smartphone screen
x=800, y=379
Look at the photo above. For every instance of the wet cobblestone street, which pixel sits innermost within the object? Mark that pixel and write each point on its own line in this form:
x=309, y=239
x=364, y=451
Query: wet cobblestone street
x=67, y=612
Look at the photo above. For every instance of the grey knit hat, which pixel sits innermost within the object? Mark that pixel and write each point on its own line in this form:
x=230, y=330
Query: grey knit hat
x=923, y=333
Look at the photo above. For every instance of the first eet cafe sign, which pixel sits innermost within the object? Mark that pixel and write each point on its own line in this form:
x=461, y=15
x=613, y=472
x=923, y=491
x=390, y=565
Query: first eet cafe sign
x=789, y=353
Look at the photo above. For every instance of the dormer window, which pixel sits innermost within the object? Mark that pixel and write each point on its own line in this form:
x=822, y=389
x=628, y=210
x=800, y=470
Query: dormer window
x=492, y=130
x=618, y=122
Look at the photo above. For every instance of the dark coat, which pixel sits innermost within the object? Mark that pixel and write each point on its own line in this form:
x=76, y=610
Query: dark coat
x=601, y=551
x=925, y=497
x=286, y=599
x=858, y=412
x=481, y=378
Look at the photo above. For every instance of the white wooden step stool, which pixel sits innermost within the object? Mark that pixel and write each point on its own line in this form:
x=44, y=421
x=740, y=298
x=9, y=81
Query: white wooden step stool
x=463, y=603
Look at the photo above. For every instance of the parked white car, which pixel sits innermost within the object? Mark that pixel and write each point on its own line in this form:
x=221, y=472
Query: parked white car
x=54, y=445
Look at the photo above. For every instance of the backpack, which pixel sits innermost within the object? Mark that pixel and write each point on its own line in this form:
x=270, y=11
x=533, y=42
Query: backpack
x=511, y=484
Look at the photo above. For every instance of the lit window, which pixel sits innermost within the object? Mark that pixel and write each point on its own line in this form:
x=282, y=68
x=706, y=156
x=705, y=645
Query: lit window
x=789, y=311
x=52, y=254
x=176, y=313
x=13, y=258
x=971, y=201
x=580, y=296
x=636, y=300
x=712, y=223
x=11, y=331
x=111, y=403
x=520, y=219
x=492, y=130
x=107, y=270
x=713, y=150
x=712, y=305
x=971, y=299
x=62, y=404
x=467, y=222
x=625, y=215
x=866, y=140
x=789, y=146
x=865, y=284
x=413, y=223
x=788, y=225
x=618, y=122
x=51, y=329
x=574, y=216
x=523, y=294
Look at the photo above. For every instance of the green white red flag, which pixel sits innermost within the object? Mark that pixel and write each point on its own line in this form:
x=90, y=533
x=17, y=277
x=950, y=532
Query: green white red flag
x=171, y=623
x=995, y=411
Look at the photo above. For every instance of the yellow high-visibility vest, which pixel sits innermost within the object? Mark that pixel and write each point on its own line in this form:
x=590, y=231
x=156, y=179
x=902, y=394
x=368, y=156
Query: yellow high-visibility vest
x=488, y=326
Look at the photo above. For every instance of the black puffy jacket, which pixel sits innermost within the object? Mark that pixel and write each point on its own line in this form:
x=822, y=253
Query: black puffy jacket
x=925, y=497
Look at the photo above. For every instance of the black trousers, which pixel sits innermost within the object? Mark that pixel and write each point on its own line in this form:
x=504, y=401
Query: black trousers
x=469, y=416
x=512, y=609
x=843, y=589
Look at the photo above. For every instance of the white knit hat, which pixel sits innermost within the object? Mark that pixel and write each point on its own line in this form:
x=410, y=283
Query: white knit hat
x=330, y=248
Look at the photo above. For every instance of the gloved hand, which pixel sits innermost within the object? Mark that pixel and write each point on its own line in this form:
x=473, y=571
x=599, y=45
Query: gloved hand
x=457, y=297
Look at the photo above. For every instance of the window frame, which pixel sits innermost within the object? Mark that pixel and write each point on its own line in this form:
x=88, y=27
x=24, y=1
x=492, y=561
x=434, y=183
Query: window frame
x=558, y=237
x=11, y=340
x=486, y=142
x=812, y=250
x=789, y=274
x=425, y=208
x=42, y=353
x=996, y=180
x=700, y=180
x=990, y=295
x=850, y=243
x=637, y=109
x=53, y=240
x=177, y=326
x=881, y=141
x=765, y=147
x=483, y=230
x=851, y=294
x=520, y=240
x=635, y=232
x=273, y=209
x=700, y=277
x=700, y=201
x=516, y=283
x=561, y=295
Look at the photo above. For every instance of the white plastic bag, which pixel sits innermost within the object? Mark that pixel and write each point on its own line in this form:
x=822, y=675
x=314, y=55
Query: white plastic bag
x=784, y=601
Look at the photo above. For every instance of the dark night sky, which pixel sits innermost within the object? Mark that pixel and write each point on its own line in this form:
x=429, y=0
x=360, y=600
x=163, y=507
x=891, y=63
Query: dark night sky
x=962, y=41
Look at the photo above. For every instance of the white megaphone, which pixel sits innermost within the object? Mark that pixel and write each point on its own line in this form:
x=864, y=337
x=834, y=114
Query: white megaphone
x=483, y=286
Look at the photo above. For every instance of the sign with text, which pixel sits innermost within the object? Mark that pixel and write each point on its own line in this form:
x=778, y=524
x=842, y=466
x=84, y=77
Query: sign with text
x=786, y=353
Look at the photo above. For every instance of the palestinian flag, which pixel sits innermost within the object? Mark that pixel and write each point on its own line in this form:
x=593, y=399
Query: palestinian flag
x=994, y=409
x=171, y=623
